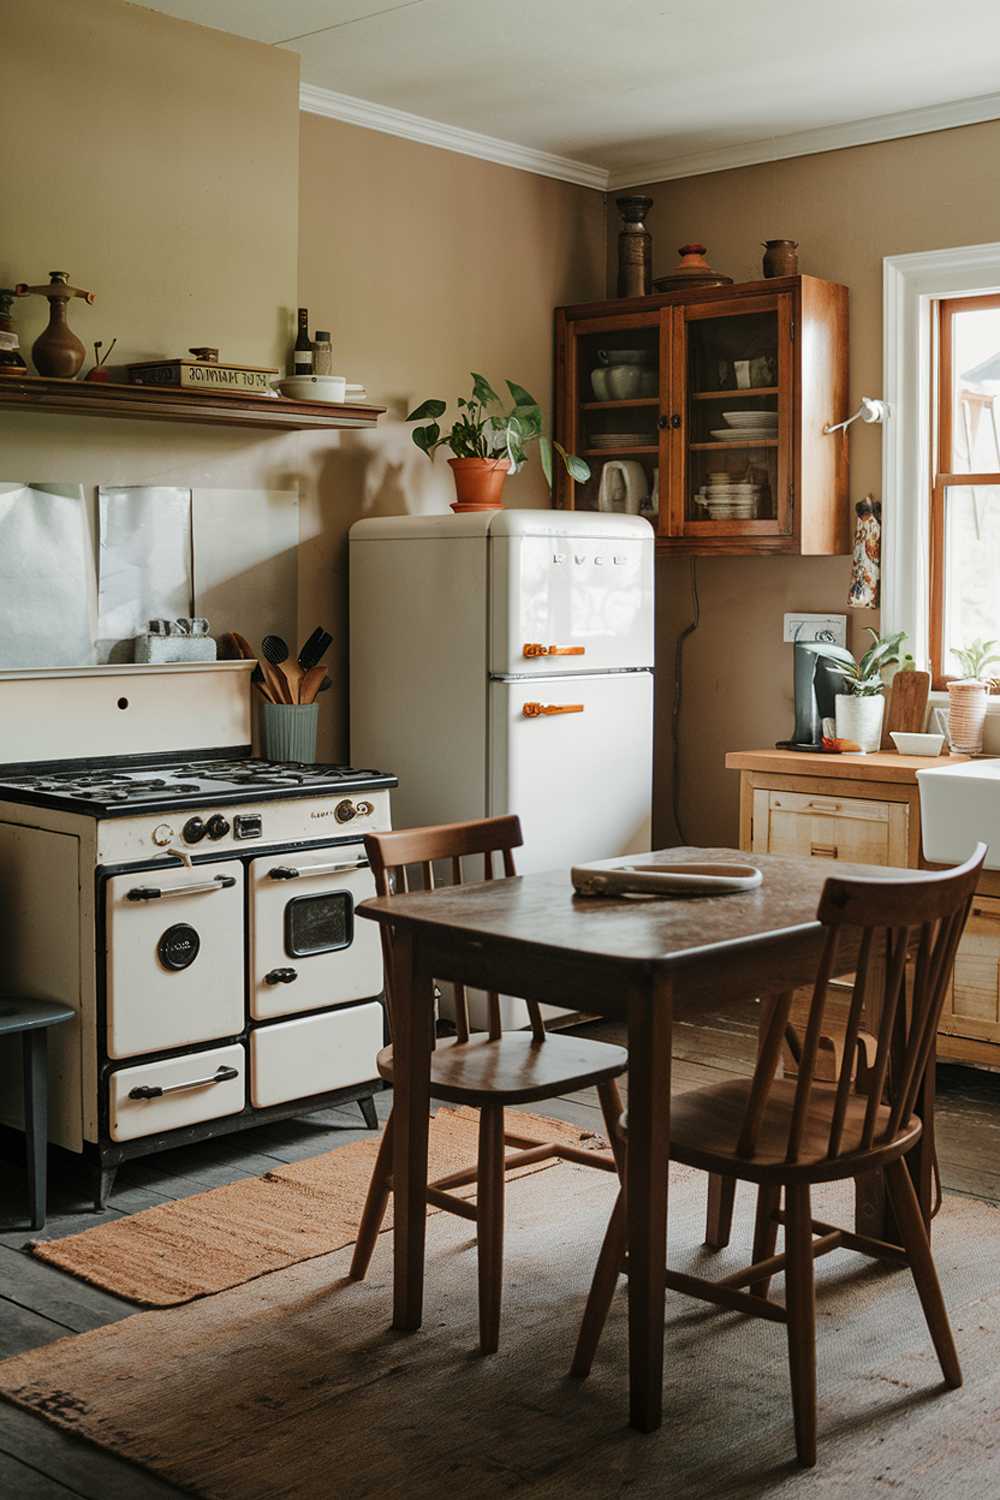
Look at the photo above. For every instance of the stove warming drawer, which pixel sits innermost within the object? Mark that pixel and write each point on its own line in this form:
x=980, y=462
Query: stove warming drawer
x=159, y=1096
x=314, y=1054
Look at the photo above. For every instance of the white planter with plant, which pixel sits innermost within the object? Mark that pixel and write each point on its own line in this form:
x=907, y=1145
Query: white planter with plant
x=487, y=446
x=860, y=708
x=968, y=697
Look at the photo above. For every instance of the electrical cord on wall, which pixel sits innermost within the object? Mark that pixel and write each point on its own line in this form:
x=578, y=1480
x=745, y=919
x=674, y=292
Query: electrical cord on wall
x=679, y=693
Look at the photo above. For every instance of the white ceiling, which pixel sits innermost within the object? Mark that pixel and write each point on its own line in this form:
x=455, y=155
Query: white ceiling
x=643, y=88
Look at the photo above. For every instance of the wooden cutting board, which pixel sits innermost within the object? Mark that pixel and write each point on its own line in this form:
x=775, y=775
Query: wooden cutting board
x=907, y=707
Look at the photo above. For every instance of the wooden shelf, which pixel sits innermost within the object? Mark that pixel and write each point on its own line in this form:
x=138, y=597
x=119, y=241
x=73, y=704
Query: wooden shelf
x=757, y=390
x=722, y=447
x=614, y=452
x=158, y=404
x=614, y=405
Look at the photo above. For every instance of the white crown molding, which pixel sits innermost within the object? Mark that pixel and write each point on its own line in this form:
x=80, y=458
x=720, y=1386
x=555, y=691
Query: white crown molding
x=319, y=101
x=345, y=107
x=809, y=142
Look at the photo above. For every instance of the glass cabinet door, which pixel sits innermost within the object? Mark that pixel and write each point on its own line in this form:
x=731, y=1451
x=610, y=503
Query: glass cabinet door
x=731, y=462
x=614, y=372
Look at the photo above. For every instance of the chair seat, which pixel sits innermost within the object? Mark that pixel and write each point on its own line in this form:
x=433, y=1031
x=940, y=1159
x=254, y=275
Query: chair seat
x=19, y=1013
x=705, y=1125
x=515, y=1069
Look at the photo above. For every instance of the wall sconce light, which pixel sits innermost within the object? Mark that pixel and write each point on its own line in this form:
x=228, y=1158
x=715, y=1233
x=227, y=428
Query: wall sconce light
x=870, y=410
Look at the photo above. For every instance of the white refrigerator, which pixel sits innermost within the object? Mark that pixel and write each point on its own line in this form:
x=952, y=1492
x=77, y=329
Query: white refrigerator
x=502, y=661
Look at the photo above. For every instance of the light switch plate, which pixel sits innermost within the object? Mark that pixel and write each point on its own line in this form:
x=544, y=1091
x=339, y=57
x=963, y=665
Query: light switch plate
x=832, y=628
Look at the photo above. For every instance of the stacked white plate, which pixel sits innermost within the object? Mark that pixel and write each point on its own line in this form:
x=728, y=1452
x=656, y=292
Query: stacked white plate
x=746, y=427
x=728, y=499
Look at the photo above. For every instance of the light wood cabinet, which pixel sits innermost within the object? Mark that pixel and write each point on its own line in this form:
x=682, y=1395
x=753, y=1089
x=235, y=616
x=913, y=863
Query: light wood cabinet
x=736, y=381
x=972, y=1008
x=867, y=810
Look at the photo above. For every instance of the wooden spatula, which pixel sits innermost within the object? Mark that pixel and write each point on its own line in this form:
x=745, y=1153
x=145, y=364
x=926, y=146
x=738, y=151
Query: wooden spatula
x=311, y=683
x=907, y=708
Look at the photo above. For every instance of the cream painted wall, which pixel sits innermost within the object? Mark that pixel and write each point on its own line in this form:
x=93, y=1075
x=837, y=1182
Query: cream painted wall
x=158, y=162
x=848, y=209
x=425, y=265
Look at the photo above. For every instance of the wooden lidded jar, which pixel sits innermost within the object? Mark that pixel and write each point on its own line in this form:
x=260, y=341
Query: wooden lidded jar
x=781, y=257
x=635, y=248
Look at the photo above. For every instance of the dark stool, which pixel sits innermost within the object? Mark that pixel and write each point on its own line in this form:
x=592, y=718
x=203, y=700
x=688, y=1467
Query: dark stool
x=33, y=1018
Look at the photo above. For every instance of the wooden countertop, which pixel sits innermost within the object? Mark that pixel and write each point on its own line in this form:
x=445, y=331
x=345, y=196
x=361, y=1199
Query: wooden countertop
x=883, y=765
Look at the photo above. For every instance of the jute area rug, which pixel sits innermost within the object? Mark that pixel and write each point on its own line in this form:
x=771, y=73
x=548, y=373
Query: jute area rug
x=217, y=1239
x=293, y=1387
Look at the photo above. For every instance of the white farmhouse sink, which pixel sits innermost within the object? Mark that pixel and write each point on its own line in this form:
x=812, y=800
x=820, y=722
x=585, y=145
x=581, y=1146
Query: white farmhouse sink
x=959, y=805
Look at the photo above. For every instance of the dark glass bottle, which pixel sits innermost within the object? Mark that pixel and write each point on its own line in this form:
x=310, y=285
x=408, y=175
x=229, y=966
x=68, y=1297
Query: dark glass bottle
x=302, y=354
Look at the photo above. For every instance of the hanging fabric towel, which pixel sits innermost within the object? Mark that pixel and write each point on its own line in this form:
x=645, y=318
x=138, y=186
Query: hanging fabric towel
x=867, y=566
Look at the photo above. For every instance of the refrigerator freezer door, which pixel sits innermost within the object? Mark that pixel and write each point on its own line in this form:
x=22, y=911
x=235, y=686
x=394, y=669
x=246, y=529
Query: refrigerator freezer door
x=580, y=778
x=588, y=597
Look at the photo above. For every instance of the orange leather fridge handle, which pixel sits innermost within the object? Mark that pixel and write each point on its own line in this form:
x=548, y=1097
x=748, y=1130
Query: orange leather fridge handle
x=534, y=648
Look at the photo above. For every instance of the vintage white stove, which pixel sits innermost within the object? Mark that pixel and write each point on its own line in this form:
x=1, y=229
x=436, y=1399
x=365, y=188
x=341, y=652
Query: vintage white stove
x=194, y=905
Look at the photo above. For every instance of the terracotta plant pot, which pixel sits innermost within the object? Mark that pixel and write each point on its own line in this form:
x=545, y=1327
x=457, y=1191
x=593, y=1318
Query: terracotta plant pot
x=479, y=482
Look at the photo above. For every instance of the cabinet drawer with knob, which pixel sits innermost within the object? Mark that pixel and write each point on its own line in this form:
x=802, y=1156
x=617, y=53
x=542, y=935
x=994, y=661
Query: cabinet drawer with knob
x=854, y=829
x=308, y=951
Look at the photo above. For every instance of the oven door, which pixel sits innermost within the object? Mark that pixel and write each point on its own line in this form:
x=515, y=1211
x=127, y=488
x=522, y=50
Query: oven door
x=308, y=950
x=175, y=957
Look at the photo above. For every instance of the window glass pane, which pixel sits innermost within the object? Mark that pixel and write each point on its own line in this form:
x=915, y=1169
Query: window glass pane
x=972, y=570
x=976, y=391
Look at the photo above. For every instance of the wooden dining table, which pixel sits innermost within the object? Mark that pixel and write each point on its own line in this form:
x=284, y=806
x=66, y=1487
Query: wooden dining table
x=632, y=959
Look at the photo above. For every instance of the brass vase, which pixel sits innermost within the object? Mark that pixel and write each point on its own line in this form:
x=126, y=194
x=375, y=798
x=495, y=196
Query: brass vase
x=635, y=248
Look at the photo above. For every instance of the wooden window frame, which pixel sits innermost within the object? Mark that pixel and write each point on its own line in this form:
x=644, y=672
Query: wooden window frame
x=943, y=473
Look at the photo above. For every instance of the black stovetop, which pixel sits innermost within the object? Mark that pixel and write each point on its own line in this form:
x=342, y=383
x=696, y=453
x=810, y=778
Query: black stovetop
x=117, y=788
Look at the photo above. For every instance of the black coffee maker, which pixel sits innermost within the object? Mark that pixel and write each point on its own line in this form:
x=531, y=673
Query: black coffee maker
x=816, y=687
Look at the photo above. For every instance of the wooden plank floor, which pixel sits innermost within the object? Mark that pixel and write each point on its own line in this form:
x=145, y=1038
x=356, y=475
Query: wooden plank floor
x=39, y=1303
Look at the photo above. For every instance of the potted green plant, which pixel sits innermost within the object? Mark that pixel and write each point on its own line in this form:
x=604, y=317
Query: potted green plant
x=488, y=442
x=860, y=708
x=967, y=696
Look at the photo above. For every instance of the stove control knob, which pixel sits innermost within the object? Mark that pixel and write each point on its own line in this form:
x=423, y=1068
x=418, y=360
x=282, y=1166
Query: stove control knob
x=163, y=835
x=194, y=831
x=217, y=826
x=345, y=811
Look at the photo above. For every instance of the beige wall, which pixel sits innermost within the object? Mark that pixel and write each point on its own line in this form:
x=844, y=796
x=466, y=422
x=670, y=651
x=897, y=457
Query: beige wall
x=158, y=162
x=425, y=265
x=848, y=209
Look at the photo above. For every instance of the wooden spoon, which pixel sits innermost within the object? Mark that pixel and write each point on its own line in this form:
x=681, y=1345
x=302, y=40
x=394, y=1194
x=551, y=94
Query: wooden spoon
x=311, y=684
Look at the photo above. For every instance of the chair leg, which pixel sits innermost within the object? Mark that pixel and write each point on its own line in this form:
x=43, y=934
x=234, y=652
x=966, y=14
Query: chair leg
x=36, y=1127
x=913, y=1230
x=489, y=1224
x=765, y=1232
x=800, y=1298
x=611, y=1109
x=368, y=1111
x=719, y=1217
x=602, y=1289
x=375, y=1206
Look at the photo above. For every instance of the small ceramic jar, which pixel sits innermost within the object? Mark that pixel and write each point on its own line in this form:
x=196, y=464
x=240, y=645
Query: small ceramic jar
x=781, y=257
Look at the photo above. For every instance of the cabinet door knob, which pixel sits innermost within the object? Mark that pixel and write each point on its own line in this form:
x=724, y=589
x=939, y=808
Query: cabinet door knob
x=675, y=420
x=661, y=422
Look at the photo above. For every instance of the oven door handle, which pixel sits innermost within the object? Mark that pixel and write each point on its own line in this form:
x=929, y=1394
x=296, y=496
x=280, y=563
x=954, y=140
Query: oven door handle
x=161, y=892
x=157, y=1091
x=296, y=872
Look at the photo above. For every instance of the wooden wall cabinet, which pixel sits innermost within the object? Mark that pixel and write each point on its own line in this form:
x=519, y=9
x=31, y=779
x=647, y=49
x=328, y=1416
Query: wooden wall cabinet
x=705, y=364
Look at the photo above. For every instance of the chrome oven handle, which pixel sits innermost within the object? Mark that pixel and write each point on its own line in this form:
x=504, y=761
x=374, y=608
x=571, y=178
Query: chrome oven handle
x=296, y=872
x=161, y=892
x=157, y=1091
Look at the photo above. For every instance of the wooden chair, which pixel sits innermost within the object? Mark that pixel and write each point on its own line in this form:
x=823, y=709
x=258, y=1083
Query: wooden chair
x=788, y=1134
x=486, y=1070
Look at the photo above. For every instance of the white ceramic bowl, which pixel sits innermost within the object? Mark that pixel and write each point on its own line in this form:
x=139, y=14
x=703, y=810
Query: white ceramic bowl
x=916, y=744
x=315, y=388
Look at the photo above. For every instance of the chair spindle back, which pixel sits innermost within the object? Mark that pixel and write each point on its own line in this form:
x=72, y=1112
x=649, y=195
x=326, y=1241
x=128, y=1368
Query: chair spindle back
x=889, y=919
x=392, y=855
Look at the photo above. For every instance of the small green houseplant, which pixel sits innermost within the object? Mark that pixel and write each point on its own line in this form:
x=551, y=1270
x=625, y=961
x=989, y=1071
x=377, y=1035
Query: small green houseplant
x=975, y=658
x=489, y=442
x=860, y=707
